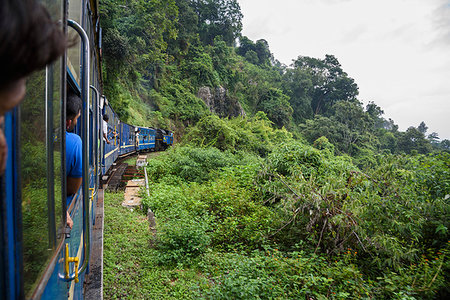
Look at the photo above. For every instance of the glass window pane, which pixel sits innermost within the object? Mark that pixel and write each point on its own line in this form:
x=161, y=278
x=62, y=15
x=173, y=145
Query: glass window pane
x=57, y=129
x=37, y=190
x=36, y=246
x=73, y=53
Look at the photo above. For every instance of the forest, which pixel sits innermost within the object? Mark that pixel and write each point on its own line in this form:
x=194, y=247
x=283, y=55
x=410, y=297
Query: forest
x=282, y=184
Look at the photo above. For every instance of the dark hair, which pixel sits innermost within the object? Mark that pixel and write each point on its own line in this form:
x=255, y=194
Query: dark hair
x=29, y=39
x=73, y=105
x=105, y=117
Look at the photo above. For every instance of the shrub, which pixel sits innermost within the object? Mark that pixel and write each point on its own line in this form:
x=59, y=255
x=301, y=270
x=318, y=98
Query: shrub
x=195, y=164
x=254, y=135
x=182, y=240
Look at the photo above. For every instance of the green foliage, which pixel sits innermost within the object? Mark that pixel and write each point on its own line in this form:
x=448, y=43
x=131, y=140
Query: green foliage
x=388, y=214
x=256, y=53
x=198, y=67
x=322, y=143
x=368, y=224
x=277, y=107
x=218, y=18
x=272, y=275
x=135, y=39
x=255, y=135
x=195, y=164
x=176, y=102
x=34, y=162
x=330, y=83
x=219, y=213
x=130, y=267
x=181, y=240
x=35, y=231
x=298, y=86
x=341, y=233
x=414, y=139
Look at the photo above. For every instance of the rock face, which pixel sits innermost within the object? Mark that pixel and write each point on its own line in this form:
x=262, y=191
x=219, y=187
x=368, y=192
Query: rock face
x=219, y=102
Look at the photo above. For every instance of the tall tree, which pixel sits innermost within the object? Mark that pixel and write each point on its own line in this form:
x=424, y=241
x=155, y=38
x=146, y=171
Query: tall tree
x=187, y=27
x=414, y=139
x=298, y=86
x=331, y=83
x=256, y=53
x=276, y=105
x=218, y=17
x=422, y=127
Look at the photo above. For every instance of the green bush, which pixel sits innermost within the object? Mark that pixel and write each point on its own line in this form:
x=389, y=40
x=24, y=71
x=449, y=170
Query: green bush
x=254, y=135
x=342, y=233
x=195, y=164
x=182, y=240
x=272, y=275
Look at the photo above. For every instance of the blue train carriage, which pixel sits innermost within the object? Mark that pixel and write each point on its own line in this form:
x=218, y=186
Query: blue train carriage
x=39, y=256
x=127, y=139
x=145, y=138
x=111, y=150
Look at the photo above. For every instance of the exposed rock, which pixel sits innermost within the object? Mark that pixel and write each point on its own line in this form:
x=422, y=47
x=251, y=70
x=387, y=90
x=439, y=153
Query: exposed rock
x=219, y=102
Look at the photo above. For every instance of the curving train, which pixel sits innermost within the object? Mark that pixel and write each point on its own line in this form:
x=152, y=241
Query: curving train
x=127, y=139
x=40, y=257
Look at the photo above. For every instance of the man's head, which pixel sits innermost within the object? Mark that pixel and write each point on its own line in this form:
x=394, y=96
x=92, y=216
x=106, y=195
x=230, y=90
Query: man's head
x=73, y=111
x=105, y=117
x=29, y=40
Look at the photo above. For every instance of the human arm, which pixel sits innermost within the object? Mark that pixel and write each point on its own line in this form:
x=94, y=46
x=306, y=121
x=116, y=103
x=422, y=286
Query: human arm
x=106, y=138
x=69, y=221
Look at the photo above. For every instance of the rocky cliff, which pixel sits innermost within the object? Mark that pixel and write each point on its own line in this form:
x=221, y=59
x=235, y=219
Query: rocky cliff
x=219, y=102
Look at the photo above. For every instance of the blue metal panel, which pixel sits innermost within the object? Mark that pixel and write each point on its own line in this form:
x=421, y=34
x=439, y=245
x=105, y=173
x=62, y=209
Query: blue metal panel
x=147, y=138
x=10, y=205
x=56, y=287
x=127, y=141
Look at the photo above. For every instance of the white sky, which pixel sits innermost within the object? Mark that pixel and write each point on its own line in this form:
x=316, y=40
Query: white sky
x=398, y=51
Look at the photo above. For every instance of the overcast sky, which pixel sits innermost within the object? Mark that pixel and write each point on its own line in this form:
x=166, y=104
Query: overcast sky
x=398, y=51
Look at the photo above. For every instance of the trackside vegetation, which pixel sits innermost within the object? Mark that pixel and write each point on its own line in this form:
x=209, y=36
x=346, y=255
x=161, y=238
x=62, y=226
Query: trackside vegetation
x=281, y=183
x=297, y=222
x=302, y=222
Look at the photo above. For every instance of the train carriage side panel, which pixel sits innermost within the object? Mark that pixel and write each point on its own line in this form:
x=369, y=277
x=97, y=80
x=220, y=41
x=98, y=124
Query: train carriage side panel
x=127, y=139
x=152, y=139
x=146, y=138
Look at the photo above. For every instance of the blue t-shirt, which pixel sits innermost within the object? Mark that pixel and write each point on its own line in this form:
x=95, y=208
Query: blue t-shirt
x=74, y=165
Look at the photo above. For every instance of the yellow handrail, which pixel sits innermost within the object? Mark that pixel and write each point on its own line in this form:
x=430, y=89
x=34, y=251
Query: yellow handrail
x=69, y=260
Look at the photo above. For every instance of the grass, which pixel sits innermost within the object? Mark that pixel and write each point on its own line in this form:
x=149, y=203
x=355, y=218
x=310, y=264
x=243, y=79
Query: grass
x=130, y=271
x=131, y=161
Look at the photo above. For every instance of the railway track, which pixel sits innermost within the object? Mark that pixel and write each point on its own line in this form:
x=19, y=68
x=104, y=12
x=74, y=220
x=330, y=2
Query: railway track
x=121, y=173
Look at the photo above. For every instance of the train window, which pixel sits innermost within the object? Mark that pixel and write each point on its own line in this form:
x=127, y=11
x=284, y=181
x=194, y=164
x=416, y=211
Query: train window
x=37, y=248
x=40, y=166
x=73, y=53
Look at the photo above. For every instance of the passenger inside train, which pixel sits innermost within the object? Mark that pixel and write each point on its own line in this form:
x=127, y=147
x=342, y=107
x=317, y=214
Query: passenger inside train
x=74, y=167
x=105, y=128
